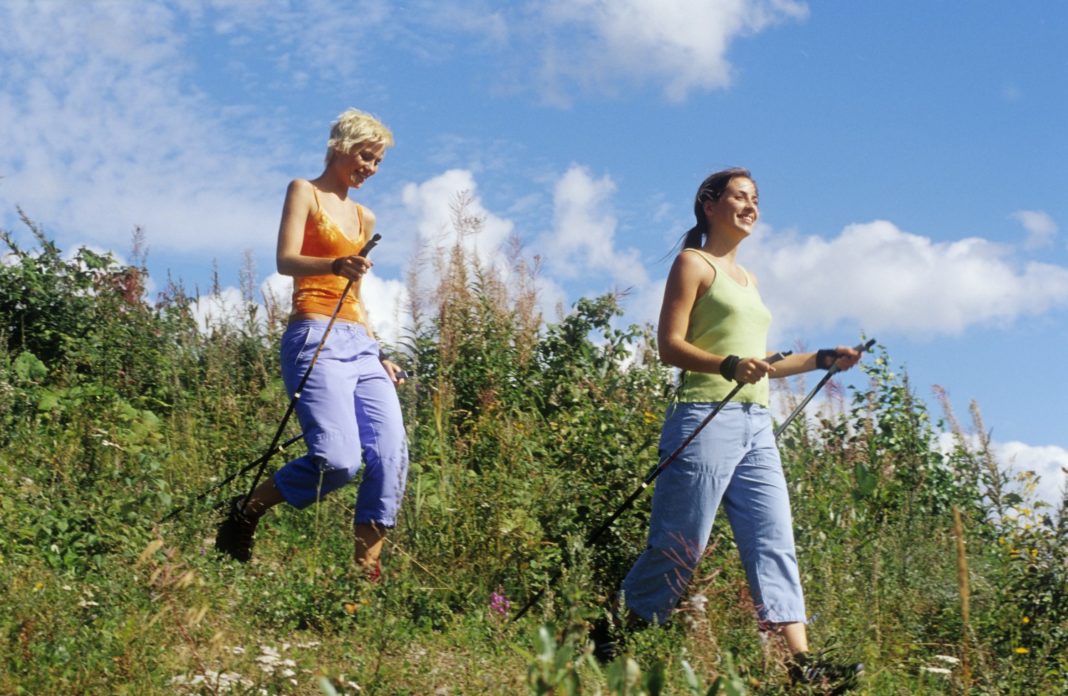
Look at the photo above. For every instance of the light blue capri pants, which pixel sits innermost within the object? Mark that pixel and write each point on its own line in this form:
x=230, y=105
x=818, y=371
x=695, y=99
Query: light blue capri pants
x=348, y=407
x=734, y=459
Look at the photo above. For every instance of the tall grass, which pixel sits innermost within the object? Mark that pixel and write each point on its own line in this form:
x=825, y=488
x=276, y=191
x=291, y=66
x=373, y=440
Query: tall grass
x=524, y=435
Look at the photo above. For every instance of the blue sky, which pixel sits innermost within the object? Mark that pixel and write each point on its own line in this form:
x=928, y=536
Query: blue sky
x=911, y=156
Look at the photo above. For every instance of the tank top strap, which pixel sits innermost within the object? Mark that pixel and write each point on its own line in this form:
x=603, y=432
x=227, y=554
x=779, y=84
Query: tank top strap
x=315, y=192
x=703, y=256
x=359, y=221
x=716, y=268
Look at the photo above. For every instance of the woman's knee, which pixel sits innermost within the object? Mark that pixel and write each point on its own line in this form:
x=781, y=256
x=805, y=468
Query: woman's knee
x=338, y=456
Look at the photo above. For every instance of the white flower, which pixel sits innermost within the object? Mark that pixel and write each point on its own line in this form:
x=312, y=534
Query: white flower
x=936, y=670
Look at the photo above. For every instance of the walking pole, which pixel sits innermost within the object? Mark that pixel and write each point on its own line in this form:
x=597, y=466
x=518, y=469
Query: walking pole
x=304, y=380
x=831, y=372
x=645, y=484
x=274, y=447
x=240, y=472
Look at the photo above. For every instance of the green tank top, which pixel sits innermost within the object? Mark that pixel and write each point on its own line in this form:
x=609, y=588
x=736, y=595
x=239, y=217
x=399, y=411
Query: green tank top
x=729, y=319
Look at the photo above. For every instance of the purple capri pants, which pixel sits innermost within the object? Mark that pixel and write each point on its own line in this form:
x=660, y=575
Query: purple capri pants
x=348, y=407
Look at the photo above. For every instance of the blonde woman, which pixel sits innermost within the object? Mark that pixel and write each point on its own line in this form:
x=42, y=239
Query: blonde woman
x=348, y=410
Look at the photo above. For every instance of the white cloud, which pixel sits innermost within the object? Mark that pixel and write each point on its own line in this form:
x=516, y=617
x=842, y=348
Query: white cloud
x=225, y=308
x=583, y=242
x=1041, y=229
x=1021, y=463
x=102, y=131
x=882, y=278
x=433, y=205
x=1048, y=462
x=386, y=302
x=680, y=45
x=302, y=38
x=277, y=291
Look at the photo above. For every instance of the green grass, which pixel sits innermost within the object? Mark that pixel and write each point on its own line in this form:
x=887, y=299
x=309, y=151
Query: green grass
x=524, y=436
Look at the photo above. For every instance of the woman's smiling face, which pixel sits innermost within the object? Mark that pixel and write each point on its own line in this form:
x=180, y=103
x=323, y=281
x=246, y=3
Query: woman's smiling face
x=359, y=165
x=737, y=208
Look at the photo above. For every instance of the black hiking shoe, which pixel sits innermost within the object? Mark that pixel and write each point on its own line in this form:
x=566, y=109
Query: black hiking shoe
x=823, y=675
x=607, y=644
x=235, y=535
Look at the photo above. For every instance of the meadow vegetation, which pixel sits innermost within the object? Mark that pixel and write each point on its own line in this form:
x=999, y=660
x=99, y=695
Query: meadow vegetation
x=932, y=568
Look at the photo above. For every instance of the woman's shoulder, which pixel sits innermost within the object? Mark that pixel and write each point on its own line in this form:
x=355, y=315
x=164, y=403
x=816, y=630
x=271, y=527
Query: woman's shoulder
x=365, y=212
x=300, y=186
x=695, y=261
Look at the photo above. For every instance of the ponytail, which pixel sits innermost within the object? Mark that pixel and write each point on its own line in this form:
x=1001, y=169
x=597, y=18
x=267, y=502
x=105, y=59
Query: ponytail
x=694, y=238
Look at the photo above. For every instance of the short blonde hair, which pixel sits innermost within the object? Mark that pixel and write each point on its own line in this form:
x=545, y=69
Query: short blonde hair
x=354, y=128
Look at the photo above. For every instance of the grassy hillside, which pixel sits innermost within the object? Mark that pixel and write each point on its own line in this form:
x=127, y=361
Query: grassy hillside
x=524, y=436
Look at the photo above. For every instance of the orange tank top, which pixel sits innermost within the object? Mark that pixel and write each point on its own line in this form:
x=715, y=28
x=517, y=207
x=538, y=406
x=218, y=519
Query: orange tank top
x=319, y=294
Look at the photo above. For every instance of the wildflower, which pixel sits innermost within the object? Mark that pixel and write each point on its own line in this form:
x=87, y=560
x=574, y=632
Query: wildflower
x=1021, y=651
x=1026, y=620
x=947, y=658
x=937, y=670
x=499, y=603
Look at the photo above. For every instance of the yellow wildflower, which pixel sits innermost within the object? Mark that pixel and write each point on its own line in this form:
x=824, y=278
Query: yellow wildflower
x=1027, y=619
x=1021, y=651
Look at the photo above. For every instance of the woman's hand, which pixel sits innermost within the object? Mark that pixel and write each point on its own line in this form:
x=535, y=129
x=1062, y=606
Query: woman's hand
x=351, y=267
x=396, y=374
x=847, y=357
x=752, y=370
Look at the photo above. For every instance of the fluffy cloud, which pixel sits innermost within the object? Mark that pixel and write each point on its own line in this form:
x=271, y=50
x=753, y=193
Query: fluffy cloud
x=678, y=44
x=1041, y=229
x=224, y=308
x=447, y=210
x=583, y=237
x=1034, y=471
x=102, y=130
x=882, y=278
x=1049, y=463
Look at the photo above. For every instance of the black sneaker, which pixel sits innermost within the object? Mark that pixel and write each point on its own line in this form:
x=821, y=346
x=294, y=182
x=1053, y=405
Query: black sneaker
x=607, y=644
x=828, y=676
x=235, y=535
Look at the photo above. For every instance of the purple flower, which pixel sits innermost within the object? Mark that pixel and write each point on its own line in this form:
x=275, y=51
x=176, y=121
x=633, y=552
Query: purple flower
x=499, y=603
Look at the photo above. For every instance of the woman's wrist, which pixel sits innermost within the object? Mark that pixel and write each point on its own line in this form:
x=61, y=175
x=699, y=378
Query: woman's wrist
x=335, y=265
x=728, y=367
x=825, y=358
